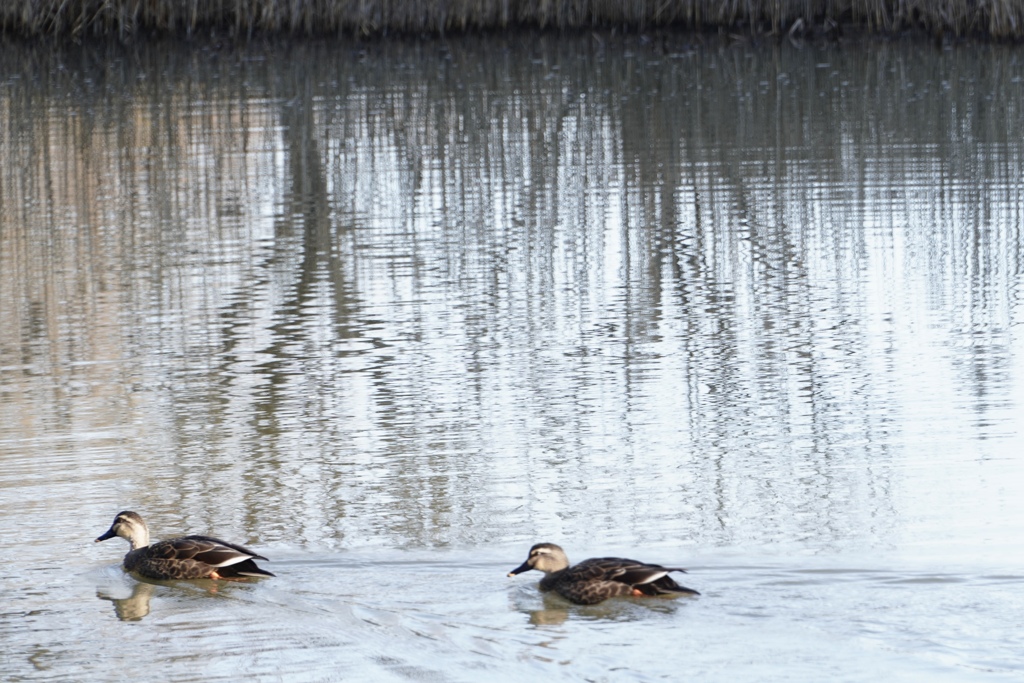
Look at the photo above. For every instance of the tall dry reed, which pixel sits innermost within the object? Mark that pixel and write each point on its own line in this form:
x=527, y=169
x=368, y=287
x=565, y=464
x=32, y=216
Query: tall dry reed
x=999, y=19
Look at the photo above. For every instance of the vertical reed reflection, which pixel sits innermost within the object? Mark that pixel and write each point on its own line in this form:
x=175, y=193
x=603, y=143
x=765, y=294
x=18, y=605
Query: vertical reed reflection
x=432, y=292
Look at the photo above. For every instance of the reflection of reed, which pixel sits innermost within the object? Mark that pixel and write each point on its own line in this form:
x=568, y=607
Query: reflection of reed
x=360, y=275
x=1003, y=18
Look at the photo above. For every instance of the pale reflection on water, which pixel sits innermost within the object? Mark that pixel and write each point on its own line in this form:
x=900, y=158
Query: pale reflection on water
x=389, y=314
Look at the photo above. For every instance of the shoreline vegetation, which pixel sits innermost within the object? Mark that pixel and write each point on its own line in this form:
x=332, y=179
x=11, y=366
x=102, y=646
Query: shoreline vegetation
x=130, y=19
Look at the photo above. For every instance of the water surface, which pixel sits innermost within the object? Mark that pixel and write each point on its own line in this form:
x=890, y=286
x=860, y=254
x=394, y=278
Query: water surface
x=391, y=313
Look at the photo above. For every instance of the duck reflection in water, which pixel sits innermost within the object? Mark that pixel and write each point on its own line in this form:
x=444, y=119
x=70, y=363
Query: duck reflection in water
x=597, y=579
x=188, y=557
x=555, y=611
x=135, y=606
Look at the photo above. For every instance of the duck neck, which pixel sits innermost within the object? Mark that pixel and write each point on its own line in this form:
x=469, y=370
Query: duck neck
x=139, y=539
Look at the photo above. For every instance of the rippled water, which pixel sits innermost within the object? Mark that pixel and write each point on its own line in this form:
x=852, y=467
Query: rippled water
x=392, y=312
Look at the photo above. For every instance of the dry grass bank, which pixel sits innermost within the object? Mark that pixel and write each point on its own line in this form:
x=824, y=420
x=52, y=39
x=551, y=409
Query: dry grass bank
x=997, y=19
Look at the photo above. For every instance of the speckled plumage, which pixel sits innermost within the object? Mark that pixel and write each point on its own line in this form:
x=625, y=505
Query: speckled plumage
x=597, y=579
x=189, y=557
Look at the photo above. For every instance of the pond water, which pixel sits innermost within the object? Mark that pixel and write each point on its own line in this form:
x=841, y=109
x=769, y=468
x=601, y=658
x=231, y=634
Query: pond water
x=390, y=313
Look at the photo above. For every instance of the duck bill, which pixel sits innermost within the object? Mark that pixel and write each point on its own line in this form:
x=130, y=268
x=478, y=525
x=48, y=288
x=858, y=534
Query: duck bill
x=110, y=534
x=524, y=567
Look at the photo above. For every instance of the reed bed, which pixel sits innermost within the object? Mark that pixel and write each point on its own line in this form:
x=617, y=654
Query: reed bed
x=996, y=19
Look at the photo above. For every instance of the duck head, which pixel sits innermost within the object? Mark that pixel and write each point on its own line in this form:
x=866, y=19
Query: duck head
x=128, y=525
x=545, y=557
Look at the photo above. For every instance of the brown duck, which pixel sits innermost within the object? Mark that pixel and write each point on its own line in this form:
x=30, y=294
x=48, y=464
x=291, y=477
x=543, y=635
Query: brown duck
x=597, y=579
x=188, y=557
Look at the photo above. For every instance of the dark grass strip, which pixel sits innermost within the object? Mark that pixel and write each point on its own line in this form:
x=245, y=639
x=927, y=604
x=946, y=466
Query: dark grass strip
x=994, y=19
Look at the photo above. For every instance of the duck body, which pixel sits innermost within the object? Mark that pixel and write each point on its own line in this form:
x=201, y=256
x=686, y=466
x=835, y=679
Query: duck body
x=597, y=579
x=188, y=557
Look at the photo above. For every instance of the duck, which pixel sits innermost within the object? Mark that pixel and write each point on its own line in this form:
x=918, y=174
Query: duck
x=188, y=557
x=599, y=578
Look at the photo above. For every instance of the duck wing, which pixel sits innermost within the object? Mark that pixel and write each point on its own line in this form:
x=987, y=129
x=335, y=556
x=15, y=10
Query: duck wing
x=666, y=585
x=205, y=549
x=622, y=570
